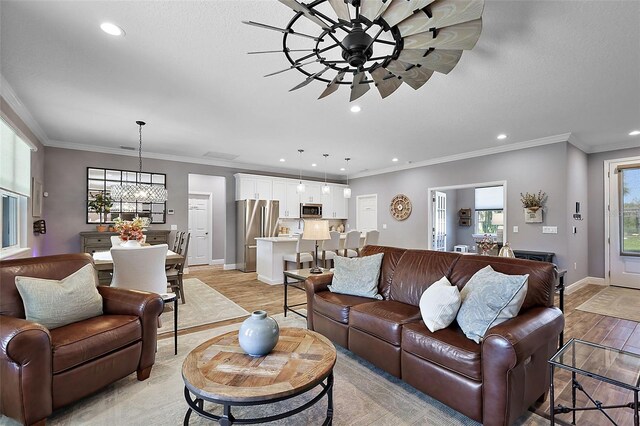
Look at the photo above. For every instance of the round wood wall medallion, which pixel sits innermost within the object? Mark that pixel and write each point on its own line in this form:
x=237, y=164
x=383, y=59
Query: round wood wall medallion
x=400, y=207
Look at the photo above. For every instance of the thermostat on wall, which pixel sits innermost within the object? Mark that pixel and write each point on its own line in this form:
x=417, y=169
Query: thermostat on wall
x=170, y=211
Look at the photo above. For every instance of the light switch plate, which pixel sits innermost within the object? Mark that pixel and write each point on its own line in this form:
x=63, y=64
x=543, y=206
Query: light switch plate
x=549, y=229
x=515, y=229
x=384, y=226
x=174, y=227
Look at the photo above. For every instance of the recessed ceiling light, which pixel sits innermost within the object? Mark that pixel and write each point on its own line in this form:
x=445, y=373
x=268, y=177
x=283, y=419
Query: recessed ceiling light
x=356, y=108
x=282, y=160
x=502, y=136
x=634, y=133
x=342, y=169
x=313, y=165
x=111, y=29
x=394, y=160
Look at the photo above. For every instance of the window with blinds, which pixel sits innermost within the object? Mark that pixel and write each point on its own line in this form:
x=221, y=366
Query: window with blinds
x=489, y=203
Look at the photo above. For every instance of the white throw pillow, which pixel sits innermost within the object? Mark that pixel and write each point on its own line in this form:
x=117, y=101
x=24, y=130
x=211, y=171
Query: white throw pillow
x=54, y=303
x=439, y=304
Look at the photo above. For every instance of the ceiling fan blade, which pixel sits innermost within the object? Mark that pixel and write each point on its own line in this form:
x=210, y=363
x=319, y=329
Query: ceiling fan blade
x=280, y=30
x=309, y=79
x=386, y=82
x=357, y=88
x=341, y=9
x=280, y=51
x=298, y=7
x=415, y=77
x=372, y=9
x=460, y=36
x=399, y=10
x=292, y=67
x=334, y=85
x=439, y=60
x=444, y=13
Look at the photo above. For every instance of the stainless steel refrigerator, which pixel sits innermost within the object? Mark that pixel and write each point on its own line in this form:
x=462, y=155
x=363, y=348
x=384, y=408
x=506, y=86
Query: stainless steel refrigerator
x=255, y=218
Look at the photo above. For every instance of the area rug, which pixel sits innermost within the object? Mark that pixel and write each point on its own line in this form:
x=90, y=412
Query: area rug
x=615, y=302
x=363, y=395
x=203, y=305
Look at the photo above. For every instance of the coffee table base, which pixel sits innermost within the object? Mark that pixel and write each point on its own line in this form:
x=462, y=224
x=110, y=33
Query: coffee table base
x=197, y=405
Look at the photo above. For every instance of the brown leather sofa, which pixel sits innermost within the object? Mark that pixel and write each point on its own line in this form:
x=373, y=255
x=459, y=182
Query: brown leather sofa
x=493, y=382
x=42, y=370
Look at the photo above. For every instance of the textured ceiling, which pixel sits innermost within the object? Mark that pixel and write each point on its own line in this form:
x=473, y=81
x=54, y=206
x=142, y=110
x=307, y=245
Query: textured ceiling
x=540, y=68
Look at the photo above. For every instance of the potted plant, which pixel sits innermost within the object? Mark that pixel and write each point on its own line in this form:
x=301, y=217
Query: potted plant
x=101, y=203
x=533, y=204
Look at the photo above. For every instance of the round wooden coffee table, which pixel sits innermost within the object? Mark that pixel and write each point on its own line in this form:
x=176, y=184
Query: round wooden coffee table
x=219, y=371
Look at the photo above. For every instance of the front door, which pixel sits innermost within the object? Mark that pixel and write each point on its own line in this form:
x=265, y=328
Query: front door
x=439, y=221
x=199, y=229
x=624, y=224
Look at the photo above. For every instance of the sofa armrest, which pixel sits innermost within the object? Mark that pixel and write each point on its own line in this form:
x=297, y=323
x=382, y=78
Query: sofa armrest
x=514, y=361
x=26, y=370
x=146, y=306
x=313, y=285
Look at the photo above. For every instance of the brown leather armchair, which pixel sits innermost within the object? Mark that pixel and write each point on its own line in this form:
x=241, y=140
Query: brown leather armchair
x=42, y=370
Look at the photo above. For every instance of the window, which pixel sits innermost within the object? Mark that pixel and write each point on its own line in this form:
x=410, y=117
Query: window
x=489, y=203
x=15, y=187
x=630, y=210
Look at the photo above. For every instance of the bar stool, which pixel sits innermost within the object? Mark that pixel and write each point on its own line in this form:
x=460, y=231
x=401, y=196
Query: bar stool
x=351, y=244
x=304, y=250
x=370, y=239
x=330, y=248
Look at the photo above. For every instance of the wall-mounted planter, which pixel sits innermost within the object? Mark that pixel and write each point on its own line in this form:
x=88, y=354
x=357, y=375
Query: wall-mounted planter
x=533, y=215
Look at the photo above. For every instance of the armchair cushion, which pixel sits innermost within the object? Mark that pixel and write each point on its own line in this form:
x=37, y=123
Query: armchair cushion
x=55, y=303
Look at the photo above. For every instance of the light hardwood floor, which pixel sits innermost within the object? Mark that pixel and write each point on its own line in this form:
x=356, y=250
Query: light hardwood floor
x=245, y=290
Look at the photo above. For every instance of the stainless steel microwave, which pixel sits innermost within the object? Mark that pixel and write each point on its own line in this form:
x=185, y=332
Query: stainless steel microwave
x=310, y=211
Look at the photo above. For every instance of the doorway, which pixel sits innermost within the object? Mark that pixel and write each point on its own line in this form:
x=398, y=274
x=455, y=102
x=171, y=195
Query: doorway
x=367, y=212
x=440, y=221
x=623, y=223
x=199, y=223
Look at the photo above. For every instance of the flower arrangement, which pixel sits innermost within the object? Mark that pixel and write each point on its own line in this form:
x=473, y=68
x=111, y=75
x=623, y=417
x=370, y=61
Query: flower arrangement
x=487, y=244
x=129, y=229
x=533, y=201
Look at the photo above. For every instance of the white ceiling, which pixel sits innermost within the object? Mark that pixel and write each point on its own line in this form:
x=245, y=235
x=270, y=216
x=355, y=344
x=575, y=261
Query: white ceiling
x=540, y=68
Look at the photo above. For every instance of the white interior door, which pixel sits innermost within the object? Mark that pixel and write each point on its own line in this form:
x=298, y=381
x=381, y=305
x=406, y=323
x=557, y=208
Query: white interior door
x=624, y=224
x=439, y=221
x=199, y=224
x=367, y=212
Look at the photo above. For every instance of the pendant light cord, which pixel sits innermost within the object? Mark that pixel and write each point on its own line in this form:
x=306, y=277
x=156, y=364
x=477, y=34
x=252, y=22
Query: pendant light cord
x=140, y=124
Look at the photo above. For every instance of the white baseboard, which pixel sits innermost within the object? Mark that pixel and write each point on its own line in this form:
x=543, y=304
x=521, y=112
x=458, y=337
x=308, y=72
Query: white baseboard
x=582, y=283
x=228, y=266
x=216, y=262
x=268, y=281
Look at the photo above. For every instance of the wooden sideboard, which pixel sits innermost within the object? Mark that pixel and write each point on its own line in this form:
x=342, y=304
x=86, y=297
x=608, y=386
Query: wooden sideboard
x=93, y=241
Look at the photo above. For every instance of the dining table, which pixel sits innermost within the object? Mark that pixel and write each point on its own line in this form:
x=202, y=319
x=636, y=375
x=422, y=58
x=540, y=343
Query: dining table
x=104, y=264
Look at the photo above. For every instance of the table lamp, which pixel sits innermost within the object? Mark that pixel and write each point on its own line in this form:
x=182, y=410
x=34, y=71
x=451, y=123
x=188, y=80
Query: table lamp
x=498, y=220
x=316, y=230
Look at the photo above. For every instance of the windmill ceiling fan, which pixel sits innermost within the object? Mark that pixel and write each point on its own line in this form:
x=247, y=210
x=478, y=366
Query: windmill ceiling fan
x=385, y=42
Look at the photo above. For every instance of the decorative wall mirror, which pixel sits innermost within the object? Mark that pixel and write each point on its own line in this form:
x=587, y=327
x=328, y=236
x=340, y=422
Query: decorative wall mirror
x=100, y=181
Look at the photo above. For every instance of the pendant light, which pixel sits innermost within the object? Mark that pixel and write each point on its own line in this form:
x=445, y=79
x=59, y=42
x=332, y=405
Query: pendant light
x=347, y=191
x=326, y=190
x=300, y=188
x=136, y=191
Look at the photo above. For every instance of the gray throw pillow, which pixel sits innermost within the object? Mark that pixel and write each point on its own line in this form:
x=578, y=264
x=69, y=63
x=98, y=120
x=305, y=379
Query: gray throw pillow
x=488, y=299
x=54, y=303
x=357, y=276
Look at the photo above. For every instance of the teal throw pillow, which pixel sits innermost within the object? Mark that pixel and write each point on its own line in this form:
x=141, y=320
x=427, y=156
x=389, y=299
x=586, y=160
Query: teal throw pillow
x=357, y=276
x=488, y=299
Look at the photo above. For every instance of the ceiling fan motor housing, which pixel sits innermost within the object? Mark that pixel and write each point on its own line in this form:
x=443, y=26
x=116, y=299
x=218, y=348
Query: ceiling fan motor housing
x=358, y=47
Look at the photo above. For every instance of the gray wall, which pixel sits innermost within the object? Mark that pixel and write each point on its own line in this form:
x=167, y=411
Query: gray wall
x=216, y=186
x=530, y=170
x=466, y=200
x=577, y=191
x=34, y=241
x=595, y=210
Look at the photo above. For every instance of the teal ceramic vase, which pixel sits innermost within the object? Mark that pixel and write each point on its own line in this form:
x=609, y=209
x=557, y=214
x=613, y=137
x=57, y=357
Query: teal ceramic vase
x=258, y=334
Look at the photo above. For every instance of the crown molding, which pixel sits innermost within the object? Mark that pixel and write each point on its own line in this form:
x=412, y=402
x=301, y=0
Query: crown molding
x=564, y=137
x=10, y=97
x=614, y=147
x=234, y=166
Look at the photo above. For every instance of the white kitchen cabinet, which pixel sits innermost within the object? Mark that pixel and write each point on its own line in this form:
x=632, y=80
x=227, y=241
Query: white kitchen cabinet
x=284, y=190
x=312, y=193
x=253, y=187
x=334, y=205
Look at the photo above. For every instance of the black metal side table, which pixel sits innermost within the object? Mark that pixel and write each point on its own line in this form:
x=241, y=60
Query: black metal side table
x=608, y=365
x=299, y=275
x=167, y=298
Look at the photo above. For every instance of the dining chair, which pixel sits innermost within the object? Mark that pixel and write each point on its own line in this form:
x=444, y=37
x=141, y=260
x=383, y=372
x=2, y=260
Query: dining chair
x=351, y=244
x=370, y=239
x=176, y=272
x=303, y=254
x=177, y=241
x=329, y=248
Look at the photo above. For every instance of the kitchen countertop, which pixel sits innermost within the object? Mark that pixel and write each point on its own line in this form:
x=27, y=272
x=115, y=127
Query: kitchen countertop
x=277, y=239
